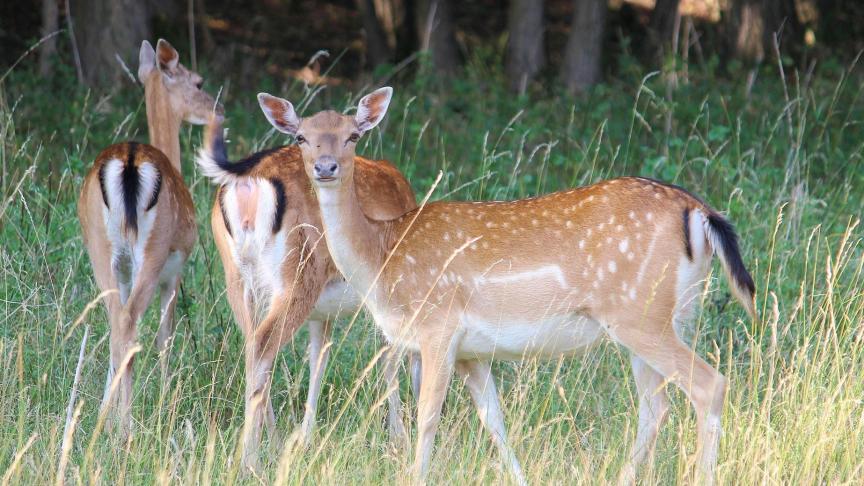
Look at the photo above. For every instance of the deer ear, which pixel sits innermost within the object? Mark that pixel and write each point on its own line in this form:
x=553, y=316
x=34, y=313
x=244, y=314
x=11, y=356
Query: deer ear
x=280, y=113
x=372, y=108
x=146, y=61
x=168, y=56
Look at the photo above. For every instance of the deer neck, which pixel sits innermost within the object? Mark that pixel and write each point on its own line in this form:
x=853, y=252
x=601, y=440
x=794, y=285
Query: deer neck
x=355, y=242
x=162, y=122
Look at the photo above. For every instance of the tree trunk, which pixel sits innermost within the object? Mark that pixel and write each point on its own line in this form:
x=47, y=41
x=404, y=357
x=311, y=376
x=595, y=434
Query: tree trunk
x=377, y=46
x=48, y=49
x=754, y=23
x=525, y=56
x=437, y=35
x=661, y=28
x=104, y=29
x=582, y=59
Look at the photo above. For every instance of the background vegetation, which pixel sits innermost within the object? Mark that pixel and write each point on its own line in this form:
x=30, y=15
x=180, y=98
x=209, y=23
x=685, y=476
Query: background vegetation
x=777, y=145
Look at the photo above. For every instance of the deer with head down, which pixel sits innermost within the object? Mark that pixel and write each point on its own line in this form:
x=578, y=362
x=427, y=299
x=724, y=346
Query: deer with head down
x=464, y=283
x=137, y=216
x=278, y=273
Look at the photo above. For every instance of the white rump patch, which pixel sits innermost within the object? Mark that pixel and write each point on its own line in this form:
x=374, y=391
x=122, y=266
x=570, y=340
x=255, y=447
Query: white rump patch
x=148, y=178
x=127, y=256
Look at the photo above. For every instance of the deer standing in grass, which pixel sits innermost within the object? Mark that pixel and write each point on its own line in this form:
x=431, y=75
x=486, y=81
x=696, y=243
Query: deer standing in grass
x=278, y=274
x=465, y=283
x=137, y=216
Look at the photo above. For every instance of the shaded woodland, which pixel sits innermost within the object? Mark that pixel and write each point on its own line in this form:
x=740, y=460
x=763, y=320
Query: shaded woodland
x=571, y=44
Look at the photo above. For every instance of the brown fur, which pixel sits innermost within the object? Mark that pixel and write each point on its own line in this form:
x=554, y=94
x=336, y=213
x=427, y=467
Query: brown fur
x=467, y=282
x=172, y=94
x=306, y=270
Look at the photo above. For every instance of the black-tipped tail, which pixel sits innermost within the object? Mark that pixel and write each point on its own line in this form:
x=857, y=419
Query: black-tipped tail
x=725, y=242
x=213, y=157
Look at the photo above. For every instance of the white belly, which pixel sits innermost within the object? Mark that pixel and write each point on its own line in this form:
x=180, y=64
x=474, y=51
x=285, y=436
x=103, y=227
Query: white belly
x=337, y=300
x=549, y=337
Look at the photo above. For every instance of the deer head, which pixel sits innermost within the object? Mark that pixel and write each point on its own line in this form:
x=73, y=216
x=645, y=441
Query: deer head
x=161, y=72
x=328, y=140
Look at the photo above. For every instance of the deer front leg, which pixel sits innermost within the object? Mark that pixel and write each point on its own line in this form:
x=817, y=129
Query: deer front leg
x=395, y=423
x=416, y=373
x=437, y=355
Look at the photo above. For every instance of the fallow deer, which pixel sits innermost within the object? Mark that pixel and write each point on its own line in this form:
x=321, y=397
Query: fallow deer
x=464, y=283
x=278, y=274
x=137, y=216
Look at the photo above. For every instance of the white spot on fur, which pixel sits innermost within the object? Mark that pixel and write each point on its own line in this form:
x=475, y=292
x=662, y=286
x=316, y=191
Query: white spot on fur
x=622, y=245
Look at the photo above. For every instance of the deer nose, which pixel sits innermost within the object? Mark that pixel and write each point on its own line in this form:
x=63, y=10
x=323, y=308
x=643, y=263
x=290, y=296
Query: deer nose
x=326, y=167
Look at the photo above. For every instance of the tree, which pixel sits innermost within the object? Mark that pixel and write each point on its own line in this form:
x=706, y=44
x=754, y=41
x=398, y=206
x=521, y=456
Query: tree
x=50, y=18
x=584, y=49
x=105, y=29
x=437, y=35
x=661, y=28
x=754, y=23
x=525, y=56
x=378, y=49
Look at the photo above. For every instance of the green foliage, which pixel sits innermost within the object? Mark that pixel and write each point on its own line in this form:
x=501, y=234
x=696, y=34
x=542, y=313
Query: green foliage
x=784, y=163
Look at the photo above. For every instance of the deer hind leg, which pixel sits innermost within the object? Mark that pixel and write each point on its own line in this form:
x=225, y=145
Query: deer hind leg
x=481, y=384
x=704, y=386
x=259, y=369
x=124, y=334
x=261, y=349
x=653, y=411
x=319, y=352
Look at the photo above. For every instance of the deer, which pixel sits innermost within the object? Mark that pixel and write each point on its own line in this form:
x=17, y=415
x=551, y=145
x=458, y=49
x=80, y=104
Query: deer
x=464, y=283
x=278, y=273
x=137, y=217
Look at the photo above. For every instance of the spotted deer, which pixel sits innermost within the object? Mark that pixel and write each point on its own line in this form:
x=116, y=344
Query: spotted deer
x=464, y=283
x=137, y=216
x=278, y=273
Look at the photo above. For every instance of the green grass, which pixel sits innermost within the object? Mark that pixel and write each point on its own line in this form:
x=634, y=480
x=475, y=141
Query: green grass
x=786, y=168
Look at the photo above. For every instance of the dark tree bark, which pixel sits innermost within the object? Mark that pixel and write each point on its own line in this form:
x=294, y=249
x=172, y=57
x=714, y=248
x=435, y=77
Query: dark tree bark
x=48, y=49
x=105, y=28
x=582, y=59
x=437, y=35
x=754, y=23
x=525, y=55
x=378, y=49
x=661, y=28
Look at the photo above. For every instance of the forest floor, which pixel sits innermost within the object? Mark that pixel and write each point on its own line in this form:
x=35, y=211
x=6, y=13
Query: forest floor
x=784, y=162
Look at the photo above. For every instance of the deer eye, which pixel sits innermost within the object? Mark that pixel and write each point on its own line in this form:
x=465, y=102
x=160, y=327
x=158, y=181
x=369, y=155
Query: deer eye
x=199, y=84
x=354, y=137
x=300, y=139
